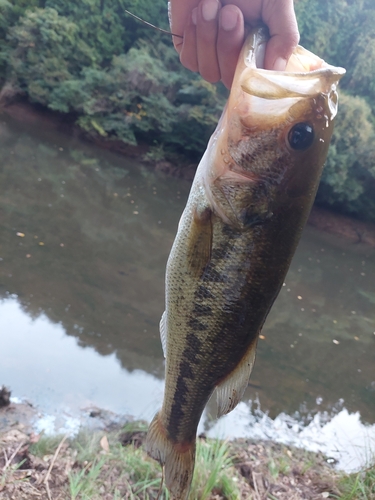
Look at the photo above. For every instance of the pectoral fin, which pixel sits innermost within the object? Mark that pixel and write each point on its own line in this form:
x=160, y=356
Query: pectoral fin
x=200, y=241
x=231, y=389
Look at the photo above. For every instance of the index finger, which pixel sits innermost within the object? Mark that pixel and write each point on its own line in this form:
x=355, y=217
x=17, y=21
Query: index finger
x=179, y=12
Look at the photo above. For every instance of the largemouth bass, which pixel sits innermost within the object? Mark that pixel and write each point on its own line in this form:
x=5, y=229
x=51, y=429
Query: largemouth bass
x=248, y=204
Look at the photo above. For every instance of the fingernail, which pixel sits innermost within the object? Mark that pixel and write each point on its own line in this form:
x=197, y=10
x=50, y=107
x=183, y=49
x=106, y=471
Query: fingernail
x=194, y=15
x=229, y=20
x=210, y=9
x=279, y=64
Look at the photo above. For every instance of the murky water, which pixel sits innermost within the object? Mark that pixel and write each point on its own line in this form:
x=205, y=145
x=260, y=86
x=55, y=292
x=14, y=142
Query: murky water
x=84, y=238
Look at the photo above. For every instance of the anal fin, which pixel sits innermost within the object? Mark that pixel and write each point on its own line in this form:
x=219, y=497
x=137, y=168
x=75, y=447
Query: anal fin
x=230, y=391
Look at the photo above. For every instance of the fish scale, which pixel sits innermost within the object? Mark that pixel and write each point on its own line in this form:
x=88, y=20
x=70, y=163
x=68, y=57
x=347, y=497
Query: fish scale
x=249, y=201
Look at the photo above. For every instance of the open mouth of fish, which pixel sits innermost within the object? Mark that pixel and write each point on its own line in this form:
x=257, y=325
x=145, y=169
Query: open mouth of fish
x=274, y=92
x=303, y=99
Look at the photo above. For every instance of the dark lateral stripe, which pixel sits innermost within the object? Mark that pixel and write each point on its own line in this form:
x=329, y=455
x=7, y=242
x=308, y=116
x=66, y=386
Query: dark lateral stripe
x=202, y=310
x=210, y=275
x=196, y=325
x=193, y=348
x=189, y=355
x=177, y=410
x=203, y=293
x=186, y=370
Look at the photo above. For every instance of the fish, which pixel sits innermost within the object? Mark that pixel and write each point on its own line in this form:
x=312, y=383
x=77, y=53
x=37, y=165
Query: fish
x=249, y=201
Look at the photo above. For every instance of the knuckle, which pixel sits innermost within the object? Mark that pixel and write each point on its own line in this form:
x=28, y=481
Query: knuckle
x=210, y=76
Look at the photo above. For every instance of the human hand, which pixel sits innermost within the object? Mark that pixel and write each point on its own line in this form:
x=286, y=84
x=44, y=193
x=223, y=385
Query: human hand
x=213, y=33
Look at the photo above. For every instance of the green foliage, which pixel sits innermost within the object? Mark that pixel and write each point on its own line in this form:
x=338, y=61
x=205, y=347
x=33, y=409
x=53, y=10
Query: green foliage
x=122, y=80
x=105, y=26
x=359, y=486
x=213, y=470
x=101, y=27
x=82, y=483
x=46, y=445
x=361, y=65
x=348, y=180
x=87, y=58
x=21, y=6
x=343, y=33
x=47, y=51
x=6, y=14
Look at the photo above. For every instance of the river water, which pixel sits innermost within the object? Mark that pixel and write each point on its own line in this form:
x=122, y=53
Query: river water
x=84, y=239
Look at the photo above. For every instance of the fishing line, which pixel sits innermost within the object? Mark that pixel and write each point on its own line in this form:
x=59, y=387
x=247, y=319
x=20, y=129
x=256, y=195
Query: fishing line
x=161, y=483
x=152, y=25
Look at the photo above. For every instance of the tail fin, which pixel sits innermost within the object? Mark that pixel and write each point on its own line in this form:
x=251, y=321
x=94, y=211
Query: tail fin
x=178, y=459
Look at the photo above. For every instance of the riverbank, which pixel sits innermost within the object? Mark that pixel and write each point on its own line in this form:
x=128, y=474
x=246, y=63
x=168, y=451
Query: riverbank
x=36, y=117
x=111, y=463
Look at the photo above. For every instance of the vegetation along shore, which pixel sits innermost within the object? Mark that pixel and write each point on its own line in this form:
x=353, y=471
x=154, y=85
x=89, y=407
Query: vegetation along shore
x=122, y=83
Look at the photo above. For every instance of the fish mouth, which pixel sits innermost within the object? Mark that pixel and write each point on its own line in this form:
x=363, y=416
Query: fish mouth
x=306, y=75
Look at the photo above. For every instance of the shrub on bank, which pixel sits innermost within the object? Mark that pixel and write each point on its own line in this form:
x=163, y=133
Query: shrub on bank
x=123, y=81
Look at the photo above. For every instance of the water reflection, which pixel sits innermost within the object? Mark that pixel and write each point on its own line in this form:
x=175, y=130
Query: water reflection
x=42, y=364
x=84, y=238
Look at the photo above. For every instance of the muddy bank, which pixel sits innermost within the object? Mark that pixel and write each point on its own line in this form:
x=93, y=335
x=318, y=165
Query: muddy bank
x=27, y=418
x=34, y=116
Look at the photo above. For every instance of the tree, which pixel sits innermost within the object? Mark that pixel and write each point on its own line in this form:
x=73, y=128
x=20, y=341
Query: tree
x=348, y=181
x=47, y=50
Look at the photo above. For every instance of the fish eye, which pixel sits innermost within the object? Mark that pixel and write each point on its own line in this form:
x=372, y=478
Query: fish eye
x=301, y=136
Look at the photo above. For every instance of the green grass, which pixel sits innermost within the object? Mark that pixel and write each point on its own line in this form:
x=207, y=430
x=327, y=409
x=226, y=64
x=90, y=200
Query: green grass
x=128, y=472
x=223, y=470
x=124, y=470
x=214, y=471
x=359, y=486
x=282, y=463
x=83, y=483
x=138, y=476
x=45, y=446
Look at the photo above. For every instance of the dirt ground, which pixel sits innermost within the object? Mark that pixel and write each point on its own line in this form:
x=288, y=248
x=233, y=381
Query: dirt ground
x=262, y=469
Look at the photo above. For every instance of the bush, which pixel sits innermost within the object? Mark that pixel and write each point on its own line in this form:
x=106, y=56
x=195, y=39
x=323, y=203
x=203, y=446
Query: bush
x=122, y=80
x=348, y=180
x=47, y=51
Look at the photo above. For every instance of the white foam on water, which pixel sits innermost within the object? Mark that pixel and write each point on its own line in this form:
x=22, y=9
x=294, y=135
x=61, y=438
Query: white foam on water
x=342, y=437
x=46, y=425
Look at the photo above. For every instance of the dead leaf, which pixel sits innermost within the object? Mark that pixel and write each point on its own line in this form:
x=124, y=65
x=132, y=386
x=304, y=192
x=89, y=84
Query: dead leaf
x=104, y=444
